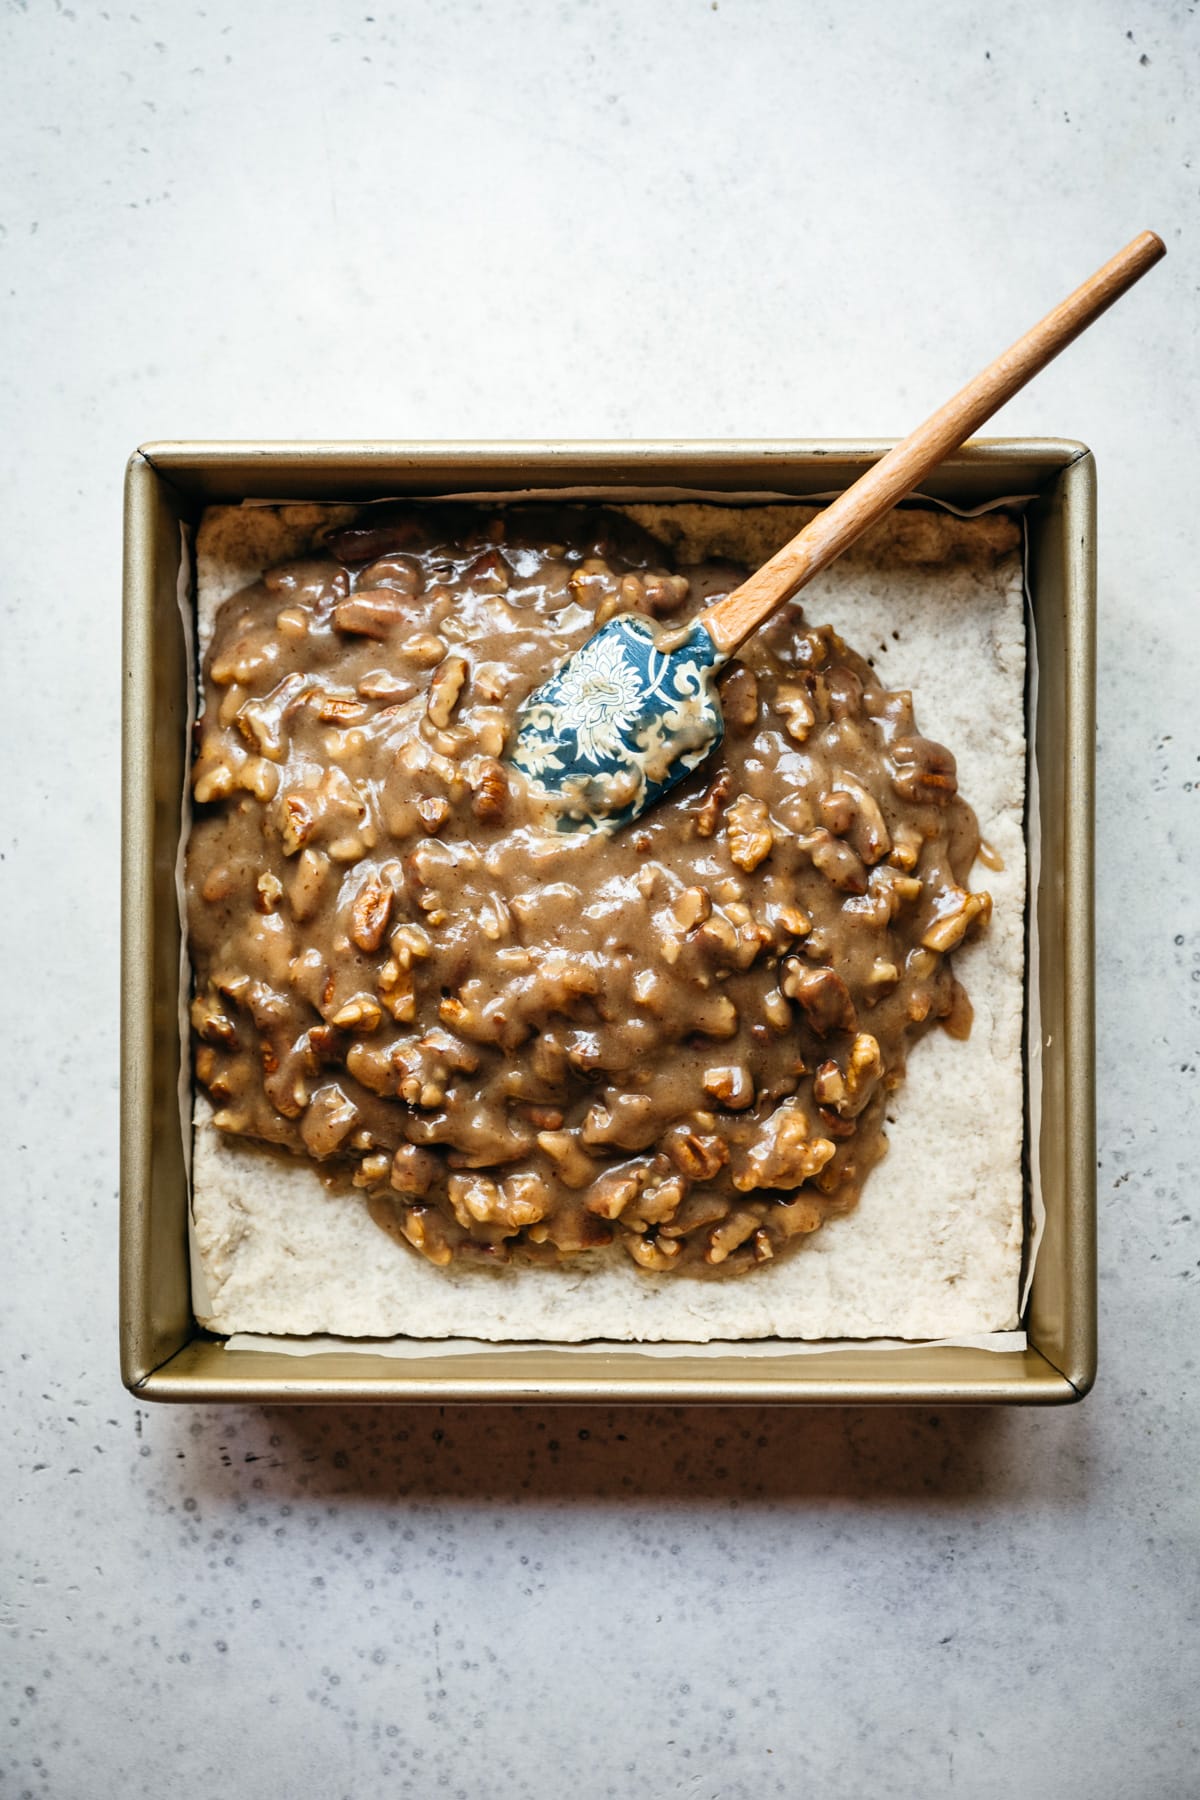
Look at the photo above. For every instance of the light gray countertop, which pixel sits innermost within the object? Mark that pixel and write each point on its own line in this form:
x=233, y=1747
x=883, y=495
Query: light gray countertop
x=437, y=220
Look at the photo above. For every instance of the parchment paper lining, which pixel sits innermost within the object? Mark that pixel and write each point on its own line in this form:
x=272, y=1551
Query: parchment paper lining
x=185, y=600
x=1033, y=985
x=417, y=1349
x=651, y=495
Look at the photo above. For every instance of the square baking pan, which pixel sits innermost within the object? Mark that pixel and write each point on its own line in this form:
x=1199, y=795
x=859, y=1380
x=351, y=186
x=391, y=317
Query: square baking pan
x=165, y=1355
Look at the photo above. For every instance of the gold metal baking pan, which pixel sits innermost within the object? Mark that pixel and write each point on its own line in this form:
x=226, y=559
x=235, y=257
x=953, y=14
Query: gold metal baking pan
x=165, y=1355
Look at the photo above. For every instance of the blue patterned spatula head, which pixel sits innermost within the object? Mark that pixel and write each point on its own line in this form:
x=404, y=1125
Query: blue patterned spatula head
x=627, y=717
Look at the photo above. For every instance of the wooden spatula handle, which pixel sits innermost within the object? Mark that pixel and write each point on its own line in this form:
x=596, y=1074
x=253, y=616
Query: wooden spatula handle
x=733, y=619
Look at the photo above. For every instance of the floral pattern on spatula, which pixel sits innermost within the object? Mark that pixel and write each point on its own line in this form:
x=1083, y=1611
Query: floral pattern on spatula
x=625, y=719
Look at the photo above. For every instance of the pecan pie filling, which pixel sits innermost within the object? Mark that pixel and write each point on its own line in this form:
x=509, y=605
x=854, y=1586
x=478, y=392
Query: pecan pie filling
x=681, y=1037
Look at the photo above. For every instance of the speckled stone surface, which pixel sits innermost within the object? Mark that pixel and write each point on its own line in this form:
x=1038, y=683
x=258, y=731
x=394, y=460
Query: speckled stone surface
x=451, y=221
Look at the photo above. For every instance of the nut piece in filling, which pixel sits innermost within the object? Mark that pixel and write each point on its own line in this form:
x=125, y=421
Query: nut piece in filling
x=680, y=1039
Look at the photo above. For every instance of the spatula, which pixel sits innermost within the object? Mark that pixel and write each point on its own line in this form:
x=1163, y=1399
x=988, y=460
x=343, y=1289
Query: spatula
x=636, y=708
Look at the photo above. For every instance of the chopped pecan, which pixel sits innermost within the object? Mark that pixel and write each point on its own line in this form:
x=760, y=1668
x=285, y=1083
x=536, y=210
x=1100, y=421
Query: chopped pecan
x=491, y=680
x=850, y=810
x=738, y=689
x=424, y=649
x=262, y=721
x=410, y=943
x=246, y=659
x=793, y=920
x=361, y=1012
x=823, y=995
x=751, y=838
x=712, y=800
x=450, y=1050
x=425, y=1230
x=656, y=1202
x=592, y=582
x=793, y=704
x=328, y=1121
x=729, y=1234
x=403, y=573
x=785, y=1154
x=268, y=891
x=906, y=847
x=847, y=1091
x=653, y=1254
x=372, y=1066
x=381, y=684
x=296, y=822
x=575, y=1167
x=696, y=1154
x=703, y=1206
x=213, y=1025
x=370, y=913
x=731, y=1086
x=396, y=991
x=304, y=888
x=864, y=1067
x=792, y=1218
x=692, y=907
x=611, y=1192
x=714, y=1015
x=881, y=978
x=445, y=689
x=371, y=612
x=664, y=593
x=323, y=1044
x=308, y=578
x=292, y=621
x=433, y=810
x=489, y=787
x=338, y=708
x=415, y=1170
x=489, y=573
x=284, y=1085
x=519, y=1200
x=764, y=1250
x=837, y=861
x=777, y=1011
x=923, y=771
x=957, y=912
x=718, y=935
x=627, y=1120
x=257, y=776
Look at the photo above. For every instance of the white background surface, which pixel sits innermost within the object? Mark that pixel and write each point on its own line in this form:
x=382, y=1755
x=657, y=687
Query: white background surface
x=582, y=219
